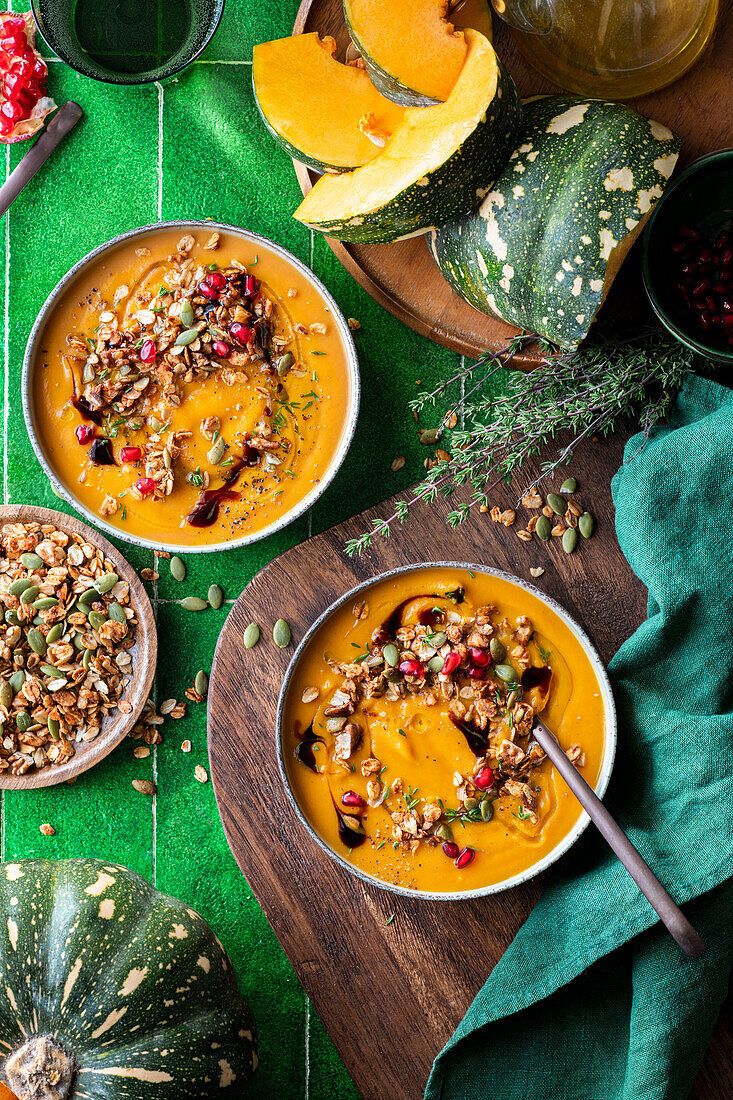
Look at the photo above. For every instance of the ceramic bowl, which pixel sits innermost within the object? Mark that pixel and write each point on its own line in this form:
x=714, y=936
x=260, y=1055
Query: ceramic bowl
x=117, y=725
x=701, y=197
x=609, y=750
x=35, y=341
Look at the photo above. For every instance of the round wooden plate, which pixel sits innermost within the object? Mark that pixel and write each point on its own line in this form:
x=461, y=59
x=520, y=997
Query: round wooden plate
x=116, y=726
x=403, y=277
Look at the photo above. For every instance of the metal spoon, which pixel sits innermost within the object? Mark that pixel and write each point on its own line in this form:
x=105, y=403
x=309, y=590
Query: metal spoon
x=670, y=914
x=39, y=152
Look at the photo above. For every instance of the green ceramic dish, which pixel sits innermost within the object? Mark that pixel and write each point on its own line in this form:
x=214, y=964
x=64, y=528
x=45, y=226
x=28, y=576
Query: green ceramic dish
x=701, y=197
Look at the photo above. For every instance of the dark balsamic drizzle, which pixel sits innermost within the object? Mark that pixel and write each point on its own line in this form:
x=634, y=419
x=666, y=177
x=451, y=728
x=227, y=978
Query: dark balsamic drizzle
x=82, y=406
x=304, y=748
x=100, y=452
x=537, y=676
x=476, y=739
x=348, y=837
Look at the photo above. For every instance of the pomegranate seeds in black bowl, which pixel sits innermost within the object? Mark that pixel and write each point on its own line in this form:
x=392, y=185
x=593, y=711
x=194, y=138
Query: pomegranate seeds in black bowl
x=688, y=257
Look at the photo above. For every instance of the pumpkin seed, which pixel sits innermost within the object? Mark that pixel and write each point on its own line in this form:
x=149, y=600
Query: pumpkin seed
x=11, y=618
x=6, y=694
x=79, y=640
x=193, y=603
x=284, y=363
x=570, y=540
x=487, y=809
x=16, y=680
x=56, y=632
x=444, y=832
x=514, y=697
x=117, y=612
x=97, y=618
x=49, y=670
x=498, y=649
x=569, y=485
x=201, y=683
x=29, y=594
x=216, y=453
x=17, y=587
x=281, y=634
x=178, y=568
x=505, y=673
x=87, y=598
x=557, y=504
x=436, y=663
x=251, y=636
x=186, y=315
x=23, y=720
x=38, y=620
x=37, y=642
x=87, y=658
x=32, y=561
x=45, y=602
x=471, y=804
x=105, y=583
x=543, y=529
x=54, y=728
x=391, y=655
x=186, y=337
x=586, y=524
x=216, y=596
x=437, y=639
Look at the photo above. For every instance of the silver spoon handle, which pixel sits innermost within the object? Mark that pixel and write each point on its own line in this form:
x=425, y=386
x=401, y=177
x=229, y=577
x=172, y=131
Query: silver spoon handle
x=669, y=913
x=39, y=152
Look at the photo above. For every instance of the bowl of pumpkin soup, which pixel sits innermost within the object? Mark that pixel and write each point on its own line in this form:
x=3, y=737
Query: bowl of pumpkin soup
x=190, y=385
x=404, y=730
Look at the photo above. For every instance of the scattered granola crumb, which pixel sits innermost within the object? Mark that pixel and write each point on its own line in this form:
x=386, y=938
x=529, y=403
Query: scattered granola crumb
x=141, y=752
x=47, y=830
x=167, y=706
x=507, y=517
x=442, y=455
x=558, y=530
x=212, y=243
x=201, y=774
x=185, y=746
x=149, y=575
x=537, y=572
x=144, y=786
x=451, y=420
x=532, y=499
x=293, y=292
x=525, y=536
x=397, y=463
x=354, y=325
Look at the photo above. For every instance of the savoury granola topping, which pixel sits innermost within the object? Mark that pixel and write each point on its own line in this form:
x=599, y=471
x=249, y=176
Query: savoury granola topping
x=66, y=634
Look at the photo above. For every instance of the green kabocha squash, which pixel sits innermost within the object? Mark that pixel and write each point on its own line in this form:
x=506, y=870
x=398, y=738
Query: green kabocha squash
x=434, y=165
x=114, y=991
x=544, y=246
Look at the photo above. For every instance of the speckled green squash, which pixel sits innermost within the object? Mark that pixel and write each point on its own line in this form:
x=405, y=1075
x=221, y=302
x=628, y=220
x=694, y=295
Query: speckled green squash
x=438, y=162
x=131, y=984
x=544, y=246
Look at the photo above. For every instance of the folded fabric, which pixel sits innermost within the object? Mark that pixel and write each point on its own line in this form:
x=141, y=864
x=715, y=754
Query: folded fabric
x=593, y=1000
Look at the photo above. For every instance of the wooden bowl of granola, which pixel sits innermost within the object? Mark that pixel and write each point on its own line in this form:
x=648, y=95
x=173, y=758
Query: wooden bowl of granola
x=78, y=650
x=190, y=385
x=405, y=730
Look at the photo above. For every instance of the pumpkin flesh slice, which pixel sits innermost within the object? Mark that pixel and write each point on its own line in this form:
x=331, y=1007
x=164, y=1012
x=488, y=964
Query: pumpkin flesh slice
x=317, y=109
x=414, y=49
x=433, y=165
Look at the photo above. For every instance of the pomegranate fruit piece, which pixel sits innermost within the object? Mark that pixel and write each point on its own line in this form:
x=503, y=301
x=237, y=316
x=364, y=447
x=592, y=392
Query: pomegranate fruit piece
x=450, y=849
x=241, y=333
x=464, y=858
x=216, y=279
x=130, y=454
x=148, y=351
x=484, y=779
x=84, y=433
x=450, y=664
x=412, y=668
x=23, y=101
x=480, y=657
x=145, y=486
x=351, y=798
x=221, y=349
x=249, y=286
x=208, y=291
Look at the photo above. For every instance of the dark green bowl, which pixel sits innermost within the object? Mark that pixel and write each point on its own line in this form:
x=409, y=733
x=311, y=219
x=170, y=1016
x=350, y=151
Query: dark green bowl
x=701, y=197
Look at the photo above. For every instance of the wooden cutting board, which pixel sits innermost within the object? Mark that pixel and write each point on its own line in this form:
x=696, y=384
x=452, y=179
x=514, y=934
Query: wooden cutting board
x=390, y=994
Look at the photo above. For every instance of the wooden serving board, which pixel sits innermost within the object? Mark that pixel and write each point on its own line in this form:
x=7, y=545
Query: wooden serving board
x=403, y=276
x=390, y=994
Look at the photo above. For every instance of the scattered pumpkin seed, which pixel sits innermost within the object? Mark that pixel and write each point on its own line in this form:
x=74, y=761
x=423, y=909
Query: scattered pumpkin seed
x=391, y=655
x=505, y=673
x=178, y=568
x=569, y=485
x=570, y=540
x=201, y=683
x=49, y=670
x=487, y=809
x=87, y=658
x=6, y=694
x=97, y=618
x=79, y=640
x=436, y=663
x=284, y=363
x=471, y=804
x=105, y=583
x=87, y=597
x=186, y=315
x=444, y=832
x=428, y=436
x=186, y=337
x=557, y=504
x=216, y=453
x=32, y=561
x=498, y=649
x=586, y=524
x=281, y=634
x=23, y=720
x=17, y=587
x=251, y=636
x=37, y=642
x=438, y=638
x=216, y=596
x=543, y=529
x=193, y=603
x=11, y=618
x=117, y=612
x=16, y=680
x=29, y=594
x=54, y=728
x=56, y=632
x=45, y=602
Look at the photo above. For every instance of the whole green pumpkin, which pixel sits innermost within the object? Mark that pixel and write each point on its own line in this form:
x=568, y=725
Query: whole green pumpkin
x=110, y=990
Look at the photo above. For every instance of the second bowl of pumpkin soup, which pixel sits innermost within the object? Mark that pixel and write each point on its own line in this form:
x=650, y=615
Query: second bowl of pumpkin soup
x=405, y=730
x=190, y=385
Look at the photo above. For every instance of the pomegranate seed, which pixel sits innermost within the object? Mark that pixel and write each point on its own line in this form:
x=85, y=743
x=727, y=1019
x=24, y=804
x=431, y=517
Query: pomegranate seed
x=242, y=333
x=710, y=303
x=12, y=83
x=726, y=305
x=145, y=486
x=706, y=255
x=14, y=25
x=722, y=240
x=720, y=289
x=412, y=668
x=130, y=454
x=477, y=673
x=677, y=249
x=249, y=287
x=23, y=67
x=450, y=664
x=39, y=69
x=13, y=43
x=6, y=125
x=700, y=288
x=705, y=320
x=480, y=657
x=465, y=857
x=716, y=318
x=689, y=234
x=209, y=292
x=26, y=99
x=450, y=849
x=727, y=257
x=484, y=779
x=84, y=433
x=221, y=349
x=12, y=110
x=148, y=351
x=216, y=279
x=727, y=321
x=351, y=798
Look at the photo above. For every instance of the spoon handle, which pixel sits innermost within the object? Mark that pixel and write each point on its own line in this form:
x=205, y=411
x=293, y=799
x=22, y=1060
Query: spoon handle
x=39, y=152
x=670, y=914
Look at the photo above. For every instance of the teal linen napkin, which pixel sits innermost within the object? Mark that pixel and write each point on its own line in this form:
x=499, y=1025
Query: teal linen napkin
x=593, y=1000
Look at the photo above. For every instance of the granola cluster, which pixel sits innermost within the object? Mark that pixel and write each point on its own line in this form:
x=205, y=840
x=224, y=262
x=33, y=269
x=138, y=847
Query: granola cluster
x=65, y=637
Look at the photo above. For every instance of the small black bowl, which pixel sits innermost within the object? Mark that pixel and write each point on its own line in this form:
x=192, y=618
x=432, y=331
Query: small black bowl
x=702, y=198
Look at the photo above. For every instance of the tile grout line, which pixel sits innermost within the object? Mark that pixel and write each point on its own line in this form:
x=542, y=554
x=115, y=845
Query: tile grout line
x=6, y=395
x=307, y=1046
x=159, y=86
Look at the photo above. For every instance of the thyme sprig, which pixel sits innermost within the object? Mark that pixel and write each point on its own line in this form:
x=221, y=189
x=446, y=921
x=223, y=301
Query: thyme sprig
x=584, y=392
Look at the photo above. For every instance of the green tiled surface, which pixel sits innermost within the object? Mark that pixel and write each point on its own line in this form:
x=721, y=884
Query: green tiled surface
x=194, y=148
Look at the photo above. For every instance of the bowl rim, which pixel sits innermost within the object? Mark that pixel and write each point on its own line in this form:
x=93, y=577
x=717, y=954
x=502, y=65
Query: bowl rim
x=684, y=337
x=348, y=430
x=610, y=733
x=140, y=681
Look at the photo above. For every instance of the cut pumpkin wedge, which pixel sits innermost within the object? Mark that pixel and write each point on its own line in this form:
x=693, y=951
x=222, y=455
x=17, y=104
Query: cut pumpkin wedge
x=414, y=49
x=325, y=114
x=437, y=164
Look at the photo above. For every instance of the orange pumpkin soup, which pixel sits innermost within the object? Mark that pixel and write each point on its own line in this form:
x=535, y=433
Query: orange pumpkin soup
x=407, y=729
x=191, y=386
